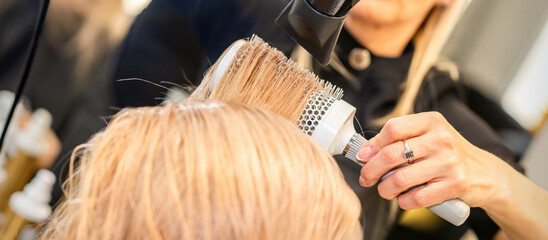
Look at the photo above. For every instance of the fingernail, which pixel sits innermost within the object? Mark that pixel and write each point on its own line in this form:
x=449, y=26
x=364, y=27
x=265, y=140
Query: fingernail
x=365, y=154
x=362, y=182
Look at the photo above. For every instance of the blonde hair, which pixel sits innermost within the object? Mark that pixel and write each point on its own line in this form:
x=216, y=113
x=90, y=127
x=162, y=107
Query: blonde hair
x=204, y=171
x=261, y=76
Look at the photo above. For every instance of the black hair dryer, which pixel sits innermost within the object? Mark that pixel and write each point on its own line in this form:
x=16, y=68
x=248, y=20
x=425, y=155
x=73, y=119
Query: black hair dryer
x=315, y=24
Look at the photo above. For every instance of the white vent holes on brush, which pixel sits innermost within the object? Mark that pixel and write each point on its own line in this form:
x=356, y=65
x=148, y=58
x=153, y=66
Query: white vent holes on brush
x=316, y=107
x=328, y=121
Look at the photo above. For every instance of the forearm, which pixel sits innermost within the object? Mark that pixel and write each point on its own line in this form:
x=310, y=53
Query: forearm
x=520, y=207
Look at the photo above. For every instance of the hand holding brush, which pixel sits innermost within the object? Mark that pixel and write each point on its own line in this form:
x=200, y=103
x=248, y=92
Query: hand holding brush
x=255, y=74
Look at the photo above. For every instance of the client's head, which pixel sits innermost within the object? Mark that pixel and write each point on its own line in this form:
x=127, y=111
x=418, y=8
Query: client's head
x=205, y=171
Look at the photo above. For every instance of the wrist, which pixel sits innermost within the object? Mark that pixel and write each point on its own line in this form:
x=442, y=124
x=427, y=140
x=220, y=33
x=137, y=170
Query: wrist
x=506, y=184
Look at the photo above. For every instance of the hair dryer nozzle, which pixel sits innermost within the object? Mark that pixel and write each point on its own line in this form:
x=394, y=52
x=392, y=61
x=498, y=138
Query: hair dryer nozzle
x=317, y=32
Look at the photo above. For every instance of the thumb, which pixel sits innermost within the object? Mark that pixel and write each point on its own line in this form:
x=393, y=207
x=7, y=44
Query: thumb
x=369, y=149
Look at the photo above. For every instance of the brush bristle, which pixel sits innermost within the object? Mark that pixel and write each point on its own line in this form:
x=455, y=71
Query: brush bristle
x=262, y=76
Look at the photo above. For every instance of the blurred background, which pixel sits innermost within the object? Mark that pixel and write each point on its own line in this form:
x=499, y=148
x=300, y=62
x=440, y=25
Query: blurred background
x=501, y=50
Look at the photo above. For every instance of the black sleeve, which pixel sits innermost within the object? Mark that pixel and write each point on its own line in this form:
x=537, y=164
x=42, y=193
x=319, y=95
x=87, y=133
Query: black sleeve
x=175, y=41
x=218, y=23
x=159, y=47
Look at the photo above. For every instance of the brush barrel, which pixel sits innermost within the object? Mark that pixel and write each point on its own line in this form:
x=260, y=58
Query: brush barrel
x=336, y=129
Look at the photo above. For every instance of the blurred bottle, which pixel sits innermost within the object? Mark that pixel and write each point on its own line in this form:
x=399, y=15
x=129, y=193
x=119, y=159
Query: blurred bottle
x=29, y=206
x=30, y=143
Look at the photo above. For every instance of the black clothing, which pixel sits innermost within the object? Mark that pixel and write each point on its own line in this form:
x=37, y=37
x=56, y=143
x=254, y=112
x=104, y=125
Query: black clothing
x=379, y=83
x=175, y=41
x=173, y=37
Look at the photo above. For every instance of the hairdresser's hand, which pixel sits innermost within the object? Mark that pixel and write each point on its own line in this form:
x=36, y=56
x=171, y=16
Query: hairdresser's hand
x=450, y=166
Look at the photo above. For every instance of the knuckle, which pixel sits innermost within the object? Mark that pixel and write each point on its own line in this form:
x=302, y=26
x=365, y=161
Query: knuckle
x=401, y=178
x=452, y=162
x=383, y=192
x=460, y=184
x=445, y=140
x=405, y=203
x=386, y=153
x=363, y=172
x=395, y=152
x=444, y=136
x=390, y=129
x=390, y=155
x=420, y=199
x=436, y=117
x=460, y=187
x=367, y=174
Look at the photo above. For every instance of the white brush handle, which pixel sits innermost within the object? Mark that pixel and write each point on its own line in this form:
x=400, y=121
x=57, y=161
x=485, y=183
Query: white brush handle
x=454, y=211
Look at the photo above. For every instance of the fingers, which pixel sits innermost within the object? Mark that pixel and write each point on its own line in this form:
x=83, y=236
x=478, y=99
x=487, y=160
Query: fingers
x=398, y=129
x=390, y=157
x=438, y=161
x=433, y=193
x=410, y=176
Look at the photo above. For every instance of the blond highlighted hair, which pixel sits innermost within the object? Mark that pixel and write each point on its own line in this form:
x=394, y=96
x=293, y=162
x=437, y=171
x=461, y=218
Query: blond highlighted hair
x=204, y=171
x=260, y=76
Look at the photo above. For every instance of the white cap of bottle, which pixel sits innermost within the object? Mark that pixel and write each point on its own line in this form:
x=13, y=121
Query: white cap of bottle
x=32, y=202
x=31, y=139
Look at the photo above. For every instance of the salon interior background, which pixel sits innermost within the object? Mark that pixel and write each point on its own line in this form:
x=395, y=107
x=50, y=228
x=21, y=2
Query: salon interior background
x=501, y=48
